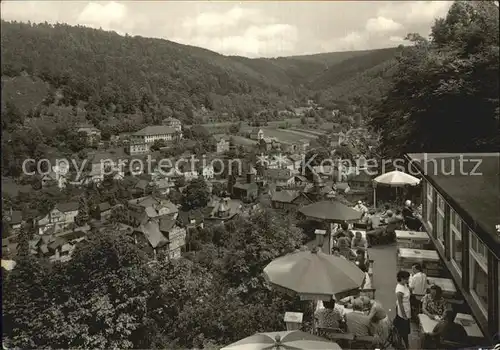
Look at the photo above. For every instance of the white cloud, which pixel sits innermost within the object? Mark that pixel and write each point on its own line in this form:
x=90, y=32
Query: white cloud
x=30, y=11
x=382, y=24
x=415, y=11
x=110, y=16
x=397, y=39
x=255, y=41
x=350, y=42
x=216, y=21
x=238, y=31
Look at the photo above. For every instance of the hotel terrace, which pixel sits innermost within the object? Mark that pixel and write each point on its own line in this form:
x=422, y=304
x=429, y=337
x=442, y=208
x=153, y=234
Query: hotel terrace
x=461, y=213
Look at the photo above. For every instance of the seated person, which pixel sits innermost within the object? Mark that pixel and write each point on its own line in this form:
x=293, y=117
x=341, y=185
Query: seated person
x=383, y=216
x=361, y=259
x=410, y=220
x=336, y=252
x=407, y=210
x=367, y=282
x=358, y=241
x=433, y=303
x=361, y=207
x=392, y=225
x=399, y=215
x=344, y=245
x=375, y=228
x=380, y=322
x=357, y=322
x=365, y=220
x=344, y=239
x=448, y=330
x=331, y=316
x=345, y=232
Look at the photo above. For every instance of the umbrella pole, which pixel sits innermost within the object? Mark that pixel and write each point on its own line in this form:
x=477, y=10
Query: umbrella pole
x=313, y=317
x=329, y=237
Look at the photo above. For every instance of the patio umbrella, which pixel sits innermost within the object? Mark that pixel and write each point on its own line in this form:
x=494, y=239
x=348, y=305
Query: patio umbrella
x=394, y=178
x=289, y=340
x=314, y=275
x=331, y=211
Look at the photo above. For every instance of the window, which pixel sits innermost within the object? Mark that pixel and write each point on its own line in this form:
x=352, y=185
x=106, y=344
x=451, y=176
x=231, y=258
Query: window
x=456, y=240
x=430, y=206
x=479, y=272
x=440, y=220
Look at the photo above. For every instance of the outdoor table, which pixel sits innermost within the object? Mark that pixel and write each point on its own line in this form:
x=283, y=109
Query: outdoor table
x=467, y=321
x=411, y=239
x=470, y=325
x=446, y=285
x=429, y=259
x=419, y=254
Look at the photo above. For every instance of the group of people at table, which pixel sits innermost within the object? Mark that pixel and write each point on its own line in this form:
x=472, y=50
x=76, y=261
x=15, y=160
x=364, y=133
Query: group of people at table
x=364, y=317
x=415, y=297
x=382, y=226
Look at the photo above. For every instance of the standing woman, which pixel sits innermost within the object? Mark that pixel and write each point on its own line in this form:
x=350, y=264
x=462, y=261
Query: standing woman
x=403, y=308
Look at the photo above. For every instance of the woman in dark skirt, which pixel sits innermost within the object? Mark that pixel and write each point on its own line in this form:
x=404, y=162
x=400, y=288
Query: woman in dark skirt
x=403, y=308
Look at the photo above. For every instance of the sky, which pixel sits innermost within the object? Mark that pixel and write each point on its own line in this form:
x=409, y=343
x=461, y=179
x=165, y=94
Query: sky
x=246, y=28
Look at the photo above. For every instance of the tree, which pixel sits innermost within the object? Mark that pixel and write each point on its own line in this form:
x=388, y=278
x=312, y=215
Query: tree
x=83, y=216
x=323, y=141
x=119, y=215
x=195, y=195
x=158, y=144
x=25, y=298
x=218, y=189
x=235, y=128
x=445, y=91
x=97, y=300
x=344, y=152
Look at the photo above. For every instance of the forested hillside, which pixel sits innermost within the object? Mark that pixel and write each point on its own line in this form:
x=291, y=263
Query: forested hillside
x=124, y=74
x=55, y=77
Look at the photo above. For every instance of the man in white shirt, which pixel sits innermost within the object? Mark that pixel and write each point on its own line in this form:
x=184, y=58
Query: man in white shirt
x=418, y=281
x=361, y=207
x=418, y=286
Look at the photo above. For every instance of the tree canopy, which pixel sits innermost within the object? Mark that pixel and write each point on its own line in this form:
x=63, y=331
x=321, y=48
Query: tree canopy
x=109, y=295
x=444, y=96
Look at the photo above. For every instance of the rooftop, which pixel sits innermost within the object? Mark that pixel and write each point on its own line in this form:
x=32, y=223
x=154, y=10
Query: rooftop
x=68, y=206
x=155, y=130
x=470, y=183
x=278, y=174
x=287, y=196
